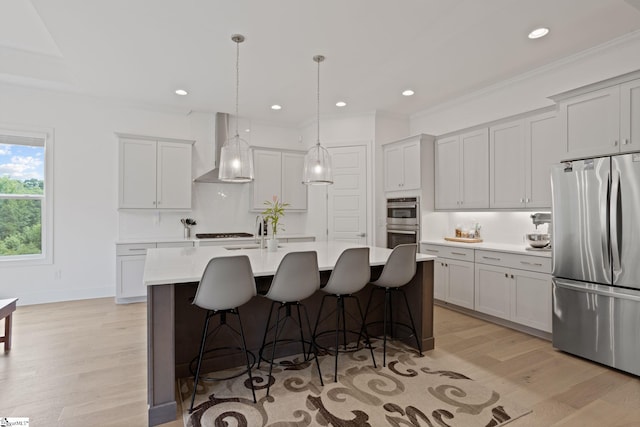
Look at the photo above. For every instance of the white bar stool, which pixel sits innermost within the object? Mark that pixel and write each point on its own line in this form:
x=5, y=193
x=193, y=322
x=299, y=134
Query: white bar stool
x=297, y=278
x=226, y=284
x=397, y=272
x=350, y=275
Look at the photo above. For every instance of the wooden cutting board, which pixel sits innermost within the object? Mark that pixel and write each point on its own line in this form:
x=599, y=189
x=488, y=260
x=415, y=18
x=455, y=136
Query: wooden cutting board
x=463, y=239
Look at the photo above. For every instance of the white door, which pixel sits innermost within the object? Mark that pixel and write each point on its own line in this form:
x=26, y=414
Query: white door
x=347, y=197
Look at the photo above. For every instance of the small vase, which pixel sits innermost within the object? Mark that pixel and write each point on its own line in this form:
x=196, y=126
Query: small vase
x=187, y=232
x=272, y=244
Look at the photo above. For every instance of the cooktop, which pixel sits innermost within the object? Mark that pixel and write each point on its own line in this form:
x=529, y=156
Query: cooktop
x=221, y=235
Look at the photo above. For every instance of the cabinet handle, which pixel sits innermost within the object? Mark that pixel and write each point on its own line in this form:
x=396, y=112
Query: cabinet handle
x=521, y=200
x=537, y=264
x=625, y=141
x=458, y=253
x=615, y=143
x=137, y=249
x=154, y=202
x=512, y=276
x=431, y=250
x=527, y=200
x=491, y=258
x=506, y=275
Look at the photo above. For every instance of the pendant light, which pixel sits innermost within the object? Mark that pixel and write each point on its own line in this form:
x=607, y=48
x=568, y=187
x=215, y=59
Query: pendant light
x=317, y=162
x=236, y=162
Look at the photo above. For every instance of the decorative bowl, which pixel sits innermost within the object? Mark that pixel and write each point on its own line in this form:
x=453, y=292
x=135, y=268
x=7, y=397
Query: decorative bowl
x=538, y=240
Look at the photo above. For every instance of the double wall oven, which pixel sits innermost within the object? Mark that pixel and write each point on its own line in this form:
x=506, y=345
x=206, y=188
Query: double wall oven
x=403, y=221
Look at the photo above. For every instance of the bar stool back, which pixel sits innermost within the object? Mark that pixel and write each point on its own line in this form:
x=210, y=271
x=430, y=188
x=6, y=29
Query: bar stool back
x=226, y=284
x=350, y=274
x=397, y=272
x=296, y=278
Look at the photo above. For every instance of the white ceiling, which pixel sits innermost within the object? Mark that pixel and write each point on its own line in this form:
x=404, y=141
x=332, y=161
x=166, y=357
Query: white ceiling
x=140, y=51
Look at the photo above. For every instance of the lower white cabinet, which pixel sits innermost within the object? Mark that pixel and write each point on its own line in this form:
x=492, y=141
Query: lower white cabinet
x=452, y=275
x=520, y=296
x=507, y=285
x=130, y=258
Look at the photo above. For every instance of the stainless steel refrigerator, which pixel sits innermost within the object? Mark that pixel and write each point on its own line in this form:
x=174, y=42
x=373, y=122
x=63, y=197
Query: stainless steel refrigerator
x=596, y=259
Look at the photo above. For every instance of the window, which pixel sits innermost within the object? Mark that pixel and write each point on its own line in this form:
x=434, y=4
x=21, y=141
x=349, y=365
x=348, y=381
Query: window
x=25, y=181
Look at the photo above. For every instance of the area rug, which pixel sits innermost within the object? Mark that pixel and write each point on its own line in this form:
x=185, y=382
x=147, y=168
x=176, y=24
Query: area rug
x=412, y=390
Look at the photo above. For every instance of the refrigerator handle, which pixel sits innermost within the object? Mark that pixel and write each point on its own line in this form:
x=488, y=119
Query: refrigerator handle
x=613, y=212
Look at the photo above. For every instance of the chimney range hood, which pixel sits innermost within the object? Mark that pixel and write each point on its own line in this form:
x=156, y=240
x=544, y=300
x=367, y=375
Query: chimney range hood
x=221, y=135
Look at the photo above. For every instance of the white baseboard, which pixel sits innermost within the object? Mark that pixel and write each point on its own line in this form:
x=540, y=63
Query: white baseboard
x=65, y=295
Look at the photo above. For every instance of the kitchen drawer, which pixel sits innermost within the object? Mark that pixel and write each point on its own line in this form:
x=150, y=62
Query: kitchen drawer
x=134, y=248
x=451, y=252
x=511, y=260
x=175, y=244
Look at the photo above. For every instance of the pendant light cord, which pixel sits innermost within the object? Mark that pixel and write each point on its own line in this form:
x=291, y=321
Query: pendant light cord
x=237, y=82
x=318, y=102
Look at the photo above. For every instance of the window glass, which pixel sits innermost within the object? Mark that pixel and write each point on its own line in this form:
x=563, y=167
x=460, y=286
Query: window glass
x=22, y=196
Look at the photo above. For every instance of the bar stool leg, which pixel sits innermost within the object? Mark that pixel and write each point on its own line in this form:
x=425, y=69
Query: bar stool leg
x=304, y=350
x=273, y=351
x=264, y=337
x=366, y=335
x=413, y=326
x=338, y=313
x=200, y=353
x=384, y=328
x=313, y=343
x=246, y=355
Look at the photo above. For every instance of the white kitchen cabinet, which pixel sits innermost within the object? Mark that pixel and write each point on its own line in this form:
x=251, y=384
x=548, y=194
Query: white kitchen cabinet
x=278, y=173
x=531, y=299
x=453, y=277
x=154, y=173
x=590, y=123
x=601, y=119
x=402, y=165
x=130, y=258
x=462, y=171
x=492, y=290
x=521, y=295
x=521, y=154
x=630, y=116
x=506, y=165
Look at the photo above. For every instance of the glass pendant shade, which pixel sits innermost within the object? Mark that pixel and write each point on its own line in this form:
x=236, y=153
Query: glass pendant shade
x=236, y=161
x=317, y=166
x=317, y=161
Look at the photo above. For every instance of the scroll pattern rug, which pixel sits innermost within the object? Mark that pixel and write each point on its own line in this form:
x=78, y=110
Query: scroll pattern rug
x=410, y=391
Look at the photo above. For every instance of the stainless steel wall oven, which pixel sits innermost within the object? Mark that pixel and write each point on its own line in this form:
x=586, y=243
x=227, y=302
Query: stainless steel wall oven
x=403, y=221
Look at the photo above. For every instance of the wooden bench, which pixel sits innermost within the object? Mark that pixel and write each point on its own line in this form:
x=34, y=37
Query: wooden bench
x=7, y=307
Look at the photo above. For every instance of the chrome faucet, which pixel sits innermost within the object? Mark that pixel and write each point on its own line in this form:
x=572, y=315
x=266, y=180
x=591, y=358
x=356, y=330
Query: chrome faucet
x=260, y=230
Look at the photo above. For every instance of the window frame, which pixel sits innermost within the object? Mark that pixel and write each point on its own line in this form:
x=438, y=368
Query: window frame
x=46, y=206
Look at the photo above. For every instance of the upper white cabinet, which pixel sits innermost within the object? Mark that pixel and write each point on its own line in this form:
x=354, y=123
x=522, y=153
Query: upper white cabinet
x=154, y=173
x=402, y=165
x=278, y=173
x=462, y=171
x=521, y=153
x=599, y=119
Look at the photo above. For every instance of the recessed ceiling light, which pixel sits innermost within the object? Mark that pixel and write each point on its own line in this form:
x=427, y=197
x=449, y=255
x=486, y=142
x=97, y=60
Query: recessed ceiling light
x=276, y=107
x=408, y=92
x=341, y=104
x=538, y=32
x=181, y=92
x=247, y=130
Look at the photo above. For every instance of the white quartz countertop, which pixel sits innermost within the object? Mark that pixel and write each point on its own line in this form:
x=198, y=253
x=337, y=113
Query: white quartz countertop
x=195, y=239
x=489, y=246
x=185, y=265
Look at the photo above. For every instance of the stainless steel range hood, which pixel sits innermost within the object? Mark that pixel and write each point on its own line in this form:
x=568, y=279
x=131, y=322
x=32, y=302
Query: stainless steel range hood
x=221, y=135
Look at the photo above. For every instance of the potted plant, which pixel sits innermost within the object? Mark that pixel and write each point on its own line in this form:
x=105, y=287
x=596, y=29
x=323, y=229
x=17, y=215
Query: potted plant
x=272, y=214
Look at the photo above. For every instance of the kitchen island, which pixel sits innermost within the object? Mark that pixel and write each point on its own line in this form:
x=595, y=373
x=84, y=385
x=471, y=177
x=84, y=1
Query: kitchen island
x=174, y=324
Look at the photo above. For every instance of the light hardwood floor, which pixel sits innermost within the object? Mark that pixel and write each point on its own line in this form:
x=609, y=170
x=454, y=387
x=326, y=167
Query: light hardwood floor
x=83, y=363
